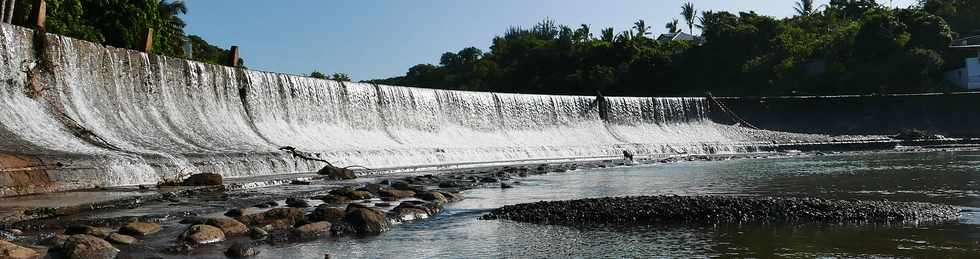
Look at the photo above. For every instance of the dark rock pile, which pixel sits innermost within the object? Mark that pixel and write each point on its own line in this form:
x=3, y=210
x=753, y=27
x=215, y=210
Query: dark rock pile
x=721, y=209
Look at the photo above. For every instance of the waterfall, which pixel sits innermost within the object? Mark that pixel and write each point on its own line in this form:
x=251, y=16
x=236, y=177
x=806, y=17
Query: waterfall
x=108, y=116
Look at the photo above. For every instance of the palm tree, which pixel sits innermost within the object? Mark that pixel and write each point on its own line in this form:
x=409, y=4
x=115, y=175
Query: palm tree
x=608, y=35
x=672, y=26
x=804, y=7
x=170, y=12
x=641, y=28
x=689, y=14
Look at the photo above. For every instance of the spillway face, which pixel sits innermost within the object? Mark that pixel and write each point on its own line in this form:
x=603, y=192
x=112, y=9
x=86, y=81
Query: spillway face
x=76, y=114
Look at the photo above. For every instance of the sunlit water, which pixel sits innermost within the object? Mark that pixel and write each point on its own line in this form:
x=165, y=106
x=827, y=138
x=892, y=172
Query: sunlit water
x=941, y=177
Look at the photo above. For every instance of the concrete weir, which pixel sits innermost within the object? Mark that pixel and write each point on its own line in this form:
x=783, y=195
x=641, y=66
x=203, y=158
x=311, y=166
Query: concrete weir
x=75, y=115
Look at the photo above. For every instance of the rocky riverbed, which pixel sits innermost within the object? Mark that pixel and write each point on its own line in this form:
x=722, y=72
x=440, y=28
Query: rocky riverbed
x=721, y=209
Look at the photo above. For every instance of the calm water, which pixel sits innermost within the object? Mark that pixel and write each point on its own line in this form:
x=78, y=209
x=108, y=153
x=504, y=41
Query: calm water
x=941, y=177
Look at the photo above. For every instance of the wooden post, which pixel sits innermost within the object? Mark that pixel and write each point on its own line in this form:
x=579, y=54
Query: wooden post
x=233, y=58
x=148, y=46
x=38, y=14
x=3, y=10
x=9, y=15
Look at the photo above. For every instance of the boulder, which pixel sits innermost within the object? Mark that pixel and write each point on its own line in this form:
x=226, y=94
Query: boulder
x=488, y=180
x=337, y=173
x=203, y=234
x=432, y=196
x=234, y=213
x=505, y=186
x=88, y=230
x=240, y=250
x=277, y=218
x=13, y=251
x=121, y=239
x=55, y=240
x=397, y=194
x=140, y=228
x=343, y=191
x=360, y=195
x=372, y=188
x=229, y=226
x=83, y=246
x=334, y=199
x=203, y=179
x=313, y=229
x=257, y=233
x=366, y=221
x=327, y=213
x=297, y=203
x=452, y=196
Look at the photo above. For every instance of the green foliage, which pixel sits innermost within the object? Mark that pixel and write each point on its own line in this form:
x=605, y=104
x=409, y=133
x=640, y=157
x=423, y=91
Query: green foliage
x=845, y=47
x=125, y=24
x=318, y=75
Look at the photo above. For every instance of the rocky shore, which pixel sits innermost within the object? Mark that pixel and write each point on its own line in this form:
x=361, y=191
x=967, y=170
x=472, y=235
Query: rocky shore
x=720, y=209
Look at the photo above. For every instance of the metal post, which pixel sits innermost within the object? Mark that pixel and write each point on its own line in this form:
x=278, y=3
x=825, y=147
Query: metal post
x=38, y=14
x=148, y=44
x=233, y=58
x=10, y=11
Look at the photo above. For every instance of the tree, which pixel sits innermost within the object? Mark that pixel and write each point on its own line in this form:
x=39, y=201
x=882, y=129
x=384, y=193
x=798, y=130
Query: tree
x=804, y=7
x=317, y=74
x=672, y=26
x=340, y=77
x=689, y=14
x=641, y=28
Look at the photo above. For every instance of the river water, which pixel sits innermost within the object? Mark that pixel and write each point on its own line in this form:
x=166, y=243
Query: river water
x=939, y=177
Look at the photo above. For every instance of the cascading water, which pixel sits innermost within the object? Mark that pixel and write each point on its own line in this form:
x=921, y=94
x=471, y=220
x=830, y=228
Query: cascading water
x=107, y=116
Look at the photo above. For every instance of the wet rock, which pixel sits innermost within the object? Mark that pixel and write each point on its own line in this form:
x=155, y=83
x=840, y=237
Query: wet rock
x=336, y=173
x=13, y=251
x=297, y=203
x=229, y=226
x=405, y=186
x=240, y=250
x=327, y=213
x=278, y=218
x=203, y=234
x=203, y=179
x=372, y=188
x=88, y=230
x=83, y=246
x=414, y=210
x=140, y=228
x=506, y=186
x=450, y=184
x=488, y=180
x=343, y=191
x=300, y=182
x=382, y=204
x=122, y=239
x=389, y=199
x=334, y=199
x=272, y=203
x=360, y=195
x=366, y=221
x=397, y=194
x=452, y=196
x=234, y=213
x=257, y=233
x=432, y=196
x=55, y=240
x=313, y=229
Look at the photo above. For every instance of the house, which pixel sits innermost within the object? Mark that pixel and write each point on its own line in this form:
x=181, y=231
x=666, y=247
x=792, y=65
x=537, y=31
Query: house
x=679, y=36
x=967, y=77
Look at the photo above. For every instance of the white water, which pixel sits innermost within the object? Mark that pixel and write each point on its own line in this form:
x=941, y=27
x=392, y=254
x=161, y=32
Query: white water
x=155, y=116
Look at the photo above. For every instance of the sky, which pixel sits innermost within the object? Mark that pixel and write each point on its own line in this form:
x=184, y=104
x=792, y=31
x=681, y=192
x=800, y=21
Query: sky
x=372, y=39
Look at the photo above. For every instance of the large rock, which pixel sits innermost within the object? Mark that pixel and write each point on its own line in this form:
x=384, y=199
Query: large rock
x=337, y=173
x=366, y=221
x=12, y=251
x=88, y=230
x=203, y=179
x=395, y=193
x=140, y=228
x=334, y=199
x=313, y=229
x=432, y=196
x=234, y=213
x=278, y=218
x=297, y=202
x=203, y=234
x=240, y=250
x=372, y=188
x=121, y=239
x=360, y=195
x=327, y=213
x=229, y=226
x=87, y=247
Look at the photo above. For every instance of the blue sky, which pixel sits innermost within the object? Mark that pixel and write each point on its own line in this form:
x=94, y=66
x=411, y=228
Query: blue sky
x=371, y=39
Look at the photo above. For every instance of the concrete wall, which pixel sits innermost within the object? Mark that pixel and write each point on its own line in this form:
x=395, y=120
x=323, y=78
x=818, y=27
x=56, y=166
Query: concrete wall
x=952, y=115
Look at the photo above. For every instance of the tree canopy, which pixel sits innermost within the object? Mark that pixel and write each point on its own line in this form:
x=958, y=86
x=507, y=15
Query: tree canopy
x=844, y=47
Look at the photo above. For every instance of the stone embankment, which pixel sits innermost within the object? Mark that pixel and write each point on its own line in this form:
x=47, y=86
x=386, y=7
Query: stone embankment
x=721, y=209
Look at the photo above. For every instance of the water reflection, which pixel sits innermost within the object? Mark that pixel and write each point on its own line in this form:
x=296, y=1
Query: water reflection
x=941, y=177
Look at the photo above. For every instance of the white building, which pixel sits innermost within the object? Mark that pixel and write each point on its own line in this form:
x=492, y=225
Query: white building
x=969, y=76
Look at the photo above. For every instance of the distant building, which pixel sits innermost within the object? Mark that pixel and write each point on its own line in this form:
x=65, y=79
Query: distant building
x=679, y=36
x=967, y=77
